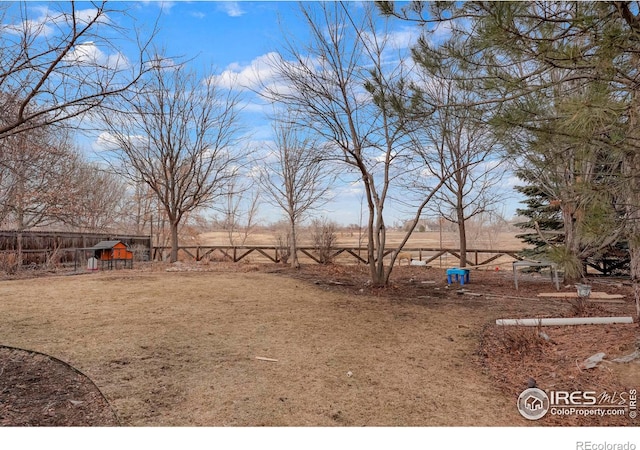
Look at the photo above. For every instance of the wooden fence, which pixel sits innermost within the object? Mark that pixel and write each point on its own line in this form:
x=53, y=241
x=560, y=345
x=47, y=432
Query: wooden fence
x=475, y=257
x=39, y=247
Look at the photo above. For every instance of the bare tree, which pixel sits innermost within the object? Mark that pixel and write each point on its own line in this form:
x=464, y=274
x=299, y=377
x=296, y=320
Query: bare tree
x=295, y=177
x=178, y=137
x=241, y=201
x=459, y=148
x=36, y=175
x=141, y=205
x=45, y=182
x=99, y=199
x=62, y=63
x=347, y=88
x=39, y=173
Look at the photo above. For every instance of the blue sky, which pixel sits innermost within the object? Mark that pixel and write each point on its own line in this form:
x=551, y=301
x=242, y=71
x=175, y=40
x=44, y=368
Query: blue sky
x=234, y=38
x=222, y=33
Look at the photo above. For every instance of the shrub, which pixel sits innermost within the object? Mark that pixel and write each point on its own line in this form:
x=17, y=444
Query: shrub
x=324, y=238
x=283, y=241
x=8, y=262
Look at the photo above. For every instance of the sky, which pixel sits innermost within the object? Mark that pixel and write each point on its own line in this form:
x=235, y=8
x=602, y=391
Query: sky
x=235, y=39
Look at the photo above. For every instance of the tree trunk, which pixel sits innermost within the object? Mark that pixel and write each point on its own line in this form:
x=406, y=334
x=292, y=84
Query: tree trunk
x=634, y=255
x=375, y=252
x=631, y=167
x=19, y=252
x=572, y=266
x=462, y=236
x=293, y=245
x=174, y=241
x=377, y=240
x=462, y=232
x=371, y=244
x=20, y=218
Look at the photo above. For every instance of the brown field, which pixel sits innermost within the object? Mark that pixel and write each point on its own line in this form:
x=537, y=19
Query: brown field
x=484, y=239
x=179, y=347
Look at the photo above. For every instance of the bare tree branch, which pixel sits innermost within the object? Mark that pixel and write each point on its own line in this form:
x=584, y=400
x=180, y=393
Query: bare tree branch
x=63, y=64
x=295, y=177
x=344, y=87
x=178, y=137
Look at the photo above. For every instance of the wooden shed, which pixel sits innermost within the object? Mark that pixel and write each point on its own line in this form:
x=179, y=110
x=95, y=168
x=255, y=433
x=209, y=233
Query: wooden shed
x=109, y=253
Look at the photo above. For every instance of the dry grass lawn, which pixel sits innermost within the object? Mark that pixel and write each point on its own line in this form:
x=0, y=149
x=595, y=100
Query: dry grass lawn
x=179, y=349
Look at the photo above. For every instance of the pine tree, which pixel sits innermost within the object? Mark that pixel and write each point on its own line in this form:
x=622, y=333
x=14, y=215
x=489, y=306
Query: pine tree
x=544, y=227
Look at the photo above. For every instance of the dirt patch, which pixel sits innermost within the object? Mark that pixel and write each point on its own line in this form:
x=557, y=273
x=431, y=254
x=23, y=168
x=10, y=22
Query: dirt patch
x=38, y=390
x=179, y=348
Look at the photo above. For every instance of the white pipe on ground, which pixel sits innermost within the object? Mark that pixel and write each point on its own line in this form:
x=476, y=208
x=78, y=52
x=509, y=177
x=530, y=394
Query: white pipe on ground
x=564, y=321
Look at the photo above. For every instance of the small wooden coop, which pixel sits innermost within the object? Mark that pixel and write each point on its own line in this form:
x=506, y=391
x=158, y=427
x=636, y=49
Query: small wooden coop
x=110, y=253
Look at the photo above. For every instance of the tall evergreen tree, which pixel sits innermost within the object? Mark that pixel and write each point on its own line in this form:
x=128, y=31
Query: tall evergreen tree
x=544, y=225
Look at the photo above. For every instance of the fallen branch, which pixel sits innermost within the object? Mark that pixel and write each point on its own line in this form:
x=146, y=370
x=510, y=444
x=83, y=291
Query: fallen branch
x=338, y=283
x=472, y=294
x=262, y=358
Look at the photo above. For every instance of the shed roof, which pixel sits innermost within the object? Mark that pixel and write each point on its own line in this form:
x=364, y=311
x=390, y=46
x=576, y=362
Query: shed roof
x=105, y=245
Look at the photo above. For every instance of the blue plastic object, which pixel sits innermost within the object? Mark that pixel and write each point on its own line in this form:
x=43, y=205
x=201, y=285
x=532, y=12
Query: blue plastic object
x=457, y=274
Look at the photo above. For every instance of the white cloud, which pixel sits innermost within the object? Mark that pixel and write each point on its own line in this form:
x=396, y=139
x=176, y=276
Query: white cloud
x=439, y=34
x=404, y=38
x=511, y=182
x=354, y=189
x=87, y=53
x=260, y=73
x=255, y=172
x=105, y=142
x=35, y=28
x=232, y=9
x=86, y=16
x=47, y=22
x=396, y=40
x=165, y=6
x=249, y=76
x=257, y=107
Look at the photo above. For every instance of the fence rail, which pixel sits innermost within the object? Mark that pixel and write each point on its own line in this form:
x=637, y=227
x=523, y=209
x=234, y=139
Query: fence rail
x=475, y=257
